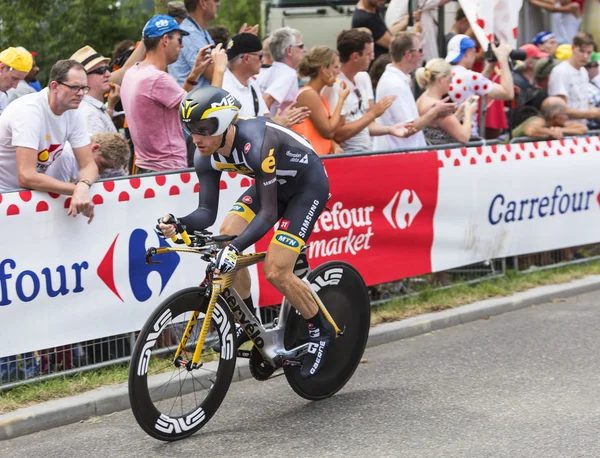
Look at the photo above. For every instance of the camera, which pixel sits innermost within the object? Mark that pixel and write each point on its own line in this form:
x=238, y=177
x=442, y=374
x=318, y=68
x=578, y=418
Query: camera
x=515, y=54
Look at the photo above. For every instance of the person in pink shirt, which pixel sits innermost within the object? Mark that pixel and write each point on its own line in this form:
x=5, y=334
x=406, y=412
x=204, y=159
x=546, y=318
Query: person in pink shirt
x=151, y=98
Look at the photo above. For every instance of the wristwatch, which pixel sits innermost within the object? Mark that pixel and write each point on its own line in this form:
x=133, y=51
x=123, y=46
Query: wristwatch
x=88, y=182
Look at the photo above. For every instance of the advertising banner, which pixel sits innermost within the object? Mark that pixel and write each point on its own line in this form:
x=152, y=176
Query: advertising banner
x=391, y=216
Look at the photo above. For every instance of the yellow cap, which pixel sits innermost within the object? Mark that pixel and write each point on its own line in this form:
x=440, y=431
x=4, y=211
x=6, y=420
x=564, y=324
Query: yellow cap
x=17, y=58
x=563, y=52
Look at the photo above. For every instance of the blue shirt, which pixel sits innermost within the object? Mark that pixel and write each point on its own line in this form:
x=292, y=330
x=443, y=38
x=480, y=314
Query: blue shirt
x=197, y=38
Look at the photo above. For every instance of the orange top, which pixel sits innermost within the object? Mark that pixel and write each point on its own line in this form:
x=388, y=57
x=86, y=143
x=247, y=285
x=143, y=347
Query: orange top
x=307, y=129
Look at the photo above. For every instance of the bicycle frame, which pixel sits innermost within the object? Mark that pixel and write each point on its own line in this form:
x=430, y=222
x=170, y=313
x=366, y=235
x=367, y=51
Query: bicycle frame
x=270, y=342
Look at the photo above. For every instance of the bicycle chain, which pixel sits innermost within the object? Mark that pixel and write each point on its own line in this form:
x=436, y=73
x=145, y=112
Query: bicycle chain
x=260, y=369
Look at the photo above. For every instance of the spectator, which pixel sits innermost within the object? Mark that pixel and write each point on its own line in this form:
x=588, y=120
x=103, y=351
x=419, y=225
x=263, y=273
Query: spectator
x=435, y=78
x=15, y=64
x=322, y=66
x=465, y=82
x=31, y=77
x=594, y=87
x=98, y=116
x=177, y=11
x=357, y=125
x=279, y=84
x=121, y=53
x=570, y=81
x=565, y=18
x=151, y=98
x=33, y=133
x=195, y=37
x=107, y=150
x=219, y=34
x=460, y=27
x=397, y=10
x=523, y=76
x=534, y=96
x=551, y=123
x=546, y=41
x=245, y=55
x=407, y=53
x=369, y=14
x=378, y=67
x=267, y=59
x=24, y=87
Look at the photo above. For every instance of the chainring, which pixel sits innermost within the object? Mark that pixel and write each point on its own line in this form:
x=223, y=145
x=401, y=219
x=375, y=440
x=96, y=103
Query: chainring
x=260, y=369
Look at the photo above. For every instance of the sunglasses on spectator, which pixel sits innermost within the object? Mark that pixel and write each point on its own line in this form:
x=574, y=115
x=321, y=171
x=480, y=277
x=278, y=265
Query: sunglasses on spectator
x=301, y=46
x=592, y=65
x=419, y=50
x=76, y=89
x=179, y=39
x=259, y=55
x=99, y=71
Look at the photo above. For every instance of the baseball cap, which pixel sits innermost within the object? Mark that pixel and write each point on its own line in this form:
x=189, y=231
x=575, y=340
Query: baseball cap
x=532, y=51
x=595, y=57
x=543, y=67
x=243, y=43
x=161, y=24
x=542, y=38
x=88, y=57
x=18, y=59
x=457, y=46
x=563, y=52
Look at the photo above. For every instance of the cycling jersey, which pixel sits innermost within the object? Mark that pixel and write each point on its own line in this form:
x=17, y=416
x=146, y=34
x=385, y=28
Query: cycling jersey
x=290, y=183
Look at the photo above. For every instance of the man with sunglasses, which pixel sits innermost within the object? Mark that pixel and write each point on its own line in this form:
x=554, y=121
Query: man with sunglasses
x=97, y=115
x=34, y=130
x=151, y=97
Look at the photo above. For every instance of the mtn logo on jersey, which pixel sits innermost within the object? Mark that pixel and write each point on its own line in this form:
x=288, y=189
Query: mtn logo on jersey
x=139, y=271
x=288, y=240
x=408, y=206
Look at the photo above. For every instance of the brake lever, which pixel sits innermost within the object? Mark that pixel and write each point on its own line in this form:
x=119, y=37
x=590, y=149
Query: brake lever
x=149, y=253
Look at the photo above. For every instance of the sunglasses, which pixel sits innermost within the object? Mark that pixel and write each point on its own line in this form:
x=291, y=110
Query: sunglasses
x=419, y=50
x=301, y=46
x=99, y=71
x=179, y=39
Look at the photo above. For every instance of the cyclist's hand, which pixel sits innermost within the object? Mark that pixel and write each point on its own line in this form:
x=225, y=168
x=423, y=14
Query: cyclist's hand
x=168, y=230
x=226, y=259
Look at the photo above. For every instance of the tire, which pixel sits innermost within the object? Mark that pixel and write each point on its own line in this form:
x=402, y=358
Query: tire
x=344, y=293
x=154, y=408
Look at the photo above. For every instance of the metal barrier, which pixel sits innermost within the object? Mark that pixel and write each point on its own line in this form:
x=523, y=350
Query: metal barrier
x=78, y=357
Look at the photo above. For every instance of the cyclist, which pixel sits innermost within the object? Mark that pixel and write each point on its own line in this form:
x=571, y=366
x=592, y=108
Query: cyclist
x=290, y=184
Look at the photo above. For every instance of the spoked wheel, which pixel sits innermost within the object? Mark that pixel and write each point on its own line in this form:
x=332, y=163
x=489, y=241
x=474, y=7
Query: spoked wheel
x=170, y=401
x=344, y=294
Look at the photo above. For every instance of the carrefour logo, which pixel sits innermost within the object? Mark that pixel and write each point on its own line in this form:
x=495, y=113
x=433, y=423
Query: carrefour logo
x=407, y=208
x=503, y=209
x=139, y=271
x=287, y=240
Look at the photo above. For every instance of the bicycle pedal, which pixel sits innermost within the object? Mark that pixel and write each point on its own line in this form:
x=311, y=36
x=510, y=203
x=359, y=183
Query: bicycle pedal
x=243, y=354
x=291, y=363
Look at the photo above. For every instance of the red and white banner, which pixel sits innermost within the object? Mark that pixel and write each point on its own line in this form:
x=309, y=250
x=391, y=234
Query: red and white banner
x=496, y=17
x=392, y=216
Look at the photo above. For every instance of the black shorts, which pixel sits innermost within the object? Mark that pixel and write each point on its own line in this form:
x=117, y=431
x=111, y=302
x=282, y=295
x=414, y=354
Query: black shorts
x=298, y=208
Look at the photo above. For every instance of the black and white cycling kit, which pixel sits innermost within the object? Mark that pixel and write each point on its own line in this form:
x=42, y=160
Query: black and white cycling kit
x=290, y=184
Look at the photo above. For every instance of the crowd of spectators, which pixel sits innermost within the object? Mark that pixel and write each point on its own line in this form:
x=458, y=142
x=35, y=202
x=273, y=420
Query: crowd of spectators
x=386, y=86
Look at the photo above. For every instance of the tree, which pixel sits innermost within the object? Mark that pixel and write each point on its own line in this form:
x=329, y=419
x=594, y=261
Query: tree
x=161, y=6
x=55, y=29
x=233, y=13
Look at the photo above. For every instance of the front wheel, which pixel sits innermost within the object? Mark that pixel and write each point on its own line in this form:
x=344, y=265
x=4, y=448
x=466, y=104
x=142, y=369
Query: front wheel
x=344, y=293
x=176, y=402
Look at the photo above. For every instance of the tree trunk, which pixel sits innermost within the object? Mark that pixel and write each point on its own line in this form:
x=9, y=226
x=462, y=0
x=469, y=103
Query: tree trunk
x=161, y=6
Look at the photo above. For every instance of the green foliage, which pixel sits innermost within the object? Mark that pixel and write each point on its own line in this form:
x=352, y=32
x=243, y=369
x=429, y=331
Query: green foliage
x=55, y=29
x=234, y=13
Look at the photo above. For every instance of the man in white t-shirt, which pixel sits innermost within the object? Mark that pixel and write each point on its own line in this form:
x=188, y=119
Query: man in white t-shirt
x=359, y=112
x=397, y=10
x=466, y=83
x=33, y=133
x=244, y=53
x=107, y=149
x=569, y=80
x=15, y=64
x=407, y=54
x=280, y=82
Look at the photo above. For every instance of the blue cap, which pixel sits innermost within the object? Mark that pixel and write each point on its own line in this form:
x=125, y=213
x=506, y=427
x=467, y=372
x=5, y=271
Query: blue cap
x=542, y=38
x=457, y=46
x=161, y=24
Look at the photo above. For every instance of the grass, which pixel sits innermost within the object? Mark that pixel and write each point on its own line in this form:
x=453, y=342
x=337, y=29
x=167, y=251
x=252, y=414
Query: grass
x=430, y=300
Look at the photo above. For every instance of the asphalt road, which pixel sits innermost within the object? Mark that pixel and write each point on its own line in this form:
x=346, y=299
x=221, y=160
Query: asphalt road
x=523, y=384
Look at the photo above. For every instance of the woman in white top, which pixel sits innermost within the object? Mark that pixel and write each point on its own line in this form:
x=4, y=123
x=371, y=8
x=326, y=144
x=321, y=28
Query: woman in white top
x=435, y=78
